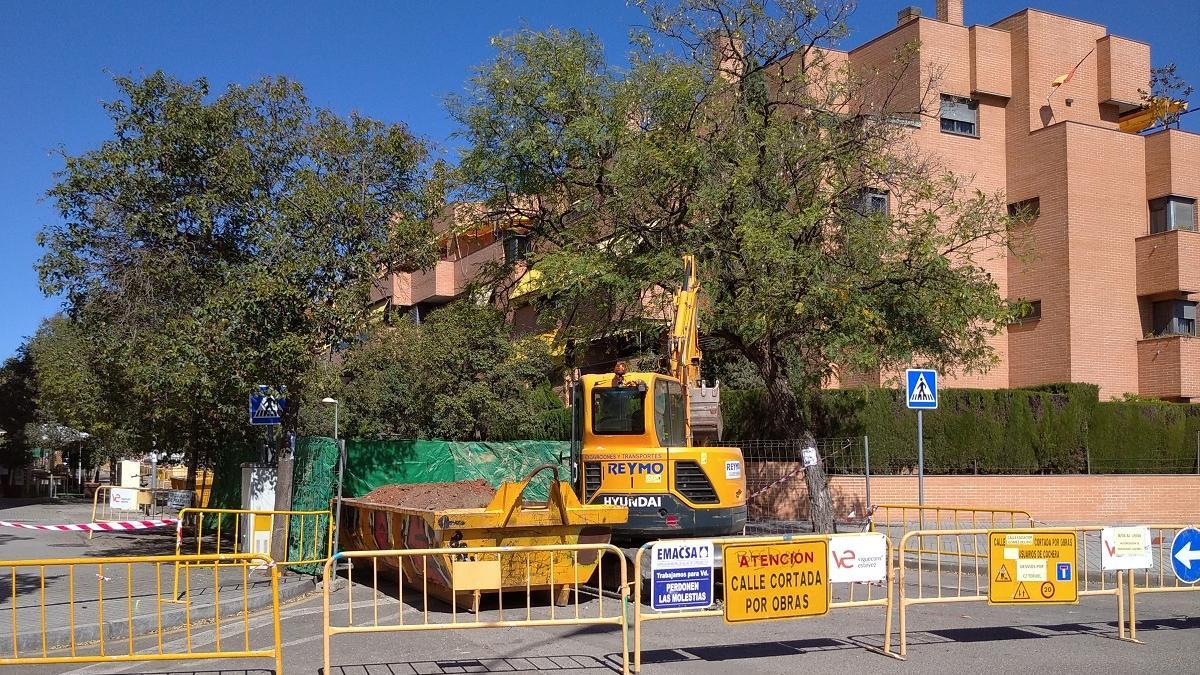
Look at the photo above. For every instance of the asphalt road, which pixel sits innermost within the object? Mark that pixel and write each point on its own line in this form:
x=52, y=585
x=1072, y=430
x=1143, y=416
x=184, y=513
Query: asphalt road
x=948, y=638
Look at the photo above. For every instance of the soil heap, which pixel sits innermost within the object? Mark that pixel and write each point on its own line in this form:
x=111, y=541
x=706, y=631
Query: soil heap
x=466, y=494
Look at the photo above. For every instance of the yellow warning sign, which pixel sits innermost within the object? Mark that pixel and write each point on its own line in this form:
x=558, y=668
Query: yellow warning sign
x=776, y=581
x=1044, y=560
x=1002, y=575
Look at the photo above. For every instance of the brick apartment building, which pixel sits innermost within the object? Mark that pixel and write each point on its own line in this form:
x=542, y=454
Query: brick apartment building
x=1113, y=271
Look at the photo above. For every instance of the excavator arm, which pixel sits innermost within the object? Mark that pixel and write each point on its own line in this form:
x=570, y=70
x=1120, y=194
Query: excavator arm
x=703, y=402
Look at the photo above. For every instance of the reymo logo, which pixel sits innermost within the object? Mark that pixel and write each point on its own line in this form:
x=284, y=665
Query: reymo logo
x=632, y=468
x=775, y=559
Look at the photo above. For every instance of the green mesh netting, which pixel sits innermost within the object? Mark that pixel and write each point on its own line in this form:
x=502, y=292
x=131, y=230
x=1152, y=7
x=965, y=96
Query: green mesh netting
x=314, y=483
x=371, y=464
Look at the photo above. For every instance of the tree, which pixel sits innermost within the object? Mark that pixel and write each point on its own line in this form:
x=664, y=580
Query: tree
x=217, y=242
x=17, y=407
x=77, y=389
x=1166, y=86
x=733, y=134
x=457, y=376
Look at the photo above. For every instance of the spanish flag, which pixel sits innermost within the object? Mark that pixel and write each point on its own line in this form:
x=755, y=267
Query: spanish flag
x=1063, y=79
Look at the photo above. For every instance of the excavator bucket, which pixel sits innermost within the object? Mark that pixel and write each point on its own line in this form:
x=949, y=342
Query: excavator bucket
x=705, y=407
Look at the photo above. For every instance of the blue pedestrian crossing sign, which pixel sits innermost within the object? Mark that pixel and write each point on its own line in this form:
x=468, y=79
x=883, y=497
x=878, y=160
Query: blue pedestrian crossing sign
x=266, y=408
x=921, y=388
x=1185, y=555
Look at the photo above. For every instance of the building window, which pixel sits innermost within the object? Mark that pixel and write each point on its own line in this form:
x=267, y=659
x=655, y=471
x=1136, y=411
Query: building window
x=516, y=248
x=960, y=116
x=1026, y=209
x=873, y=201
x=1172, y=213
x=1175, y=317
x=1031, y=311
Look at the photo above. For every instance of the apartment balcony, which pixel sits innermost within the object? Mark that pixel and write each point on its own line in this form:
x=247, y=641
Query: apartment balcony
x=1168, y=263
x=1172, y=163
x=1124, y=71
x=437, y=284
x=1169, y=367
x=441, y=283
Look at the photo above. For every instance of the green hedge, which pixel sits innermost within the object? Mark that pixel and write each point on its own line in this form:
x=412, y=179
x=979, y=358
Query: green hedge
x=1054, y=428
x=1144, y=437
x=1059, y=428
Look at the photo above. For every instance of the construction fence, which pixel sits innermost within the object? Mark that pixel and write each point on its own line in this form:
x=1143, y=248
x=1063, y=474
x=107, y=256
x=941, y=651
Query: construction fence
x=486, y=587
x=129, y=609
x=221, y=532
x=120, y=609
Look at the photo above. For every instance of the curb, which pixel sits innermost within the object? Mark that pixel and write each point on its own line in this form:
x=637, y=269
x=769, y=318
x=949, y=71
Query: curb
x=147, y=624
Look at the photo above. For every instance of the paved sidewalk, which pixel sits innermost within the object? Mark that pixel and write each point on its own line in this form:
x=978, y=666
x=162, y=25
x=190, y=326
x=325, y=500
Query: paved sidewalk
x=112, y=600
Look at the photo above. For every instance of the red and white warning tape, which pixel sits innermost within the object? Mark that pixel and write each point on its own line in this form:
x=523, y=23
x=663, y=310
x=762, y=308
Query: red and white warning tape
x=785, y=477
x=95, y=527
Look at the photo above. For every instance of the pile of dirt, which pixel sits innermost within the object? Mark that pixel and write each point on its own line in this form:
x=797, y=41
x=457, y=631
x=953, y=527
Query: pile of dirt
x=466, y=494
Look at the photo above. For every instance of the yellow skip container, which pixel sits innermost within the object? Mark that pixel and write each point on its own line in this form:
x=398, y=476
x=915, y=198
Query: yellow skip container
x=506, y=520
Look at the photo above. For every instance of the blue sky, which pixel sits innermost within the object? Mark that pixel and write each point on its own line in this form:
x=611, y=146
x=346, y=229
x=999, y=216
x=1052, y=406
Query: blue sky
x=391, y=60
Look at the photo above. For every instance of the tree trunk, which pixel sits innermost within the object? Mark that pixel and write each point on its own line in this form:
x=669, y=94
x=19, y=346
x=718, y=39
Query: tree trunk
x=784, y=420
x=820, y=504
x=283, y=502
x=193, y=465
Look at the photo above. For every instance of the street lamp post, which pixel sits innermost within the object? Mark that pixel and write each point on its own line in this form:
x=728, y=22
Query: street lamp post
x=337, y=519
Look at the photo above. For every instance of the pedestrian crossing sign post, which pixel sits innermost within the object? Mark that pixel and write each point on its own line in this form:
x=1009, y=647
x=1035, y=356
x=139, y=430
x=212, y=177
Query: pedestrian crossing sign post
x=921, y=394
x=266, y=408
x=922, y=389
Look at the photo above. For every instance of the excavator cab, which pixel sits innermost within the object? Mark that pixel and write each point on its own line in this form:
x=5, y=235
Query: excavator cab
x=636, y=453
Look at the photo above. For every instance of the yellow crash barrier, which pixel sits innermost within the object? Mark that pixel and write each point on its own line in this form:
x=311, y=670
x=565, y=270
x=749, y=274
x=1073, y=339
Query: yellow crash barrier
x=480, y=587
x=896, y=520
x=124, y=596
x=251, y=532
x=956, y=565
x=847, y=594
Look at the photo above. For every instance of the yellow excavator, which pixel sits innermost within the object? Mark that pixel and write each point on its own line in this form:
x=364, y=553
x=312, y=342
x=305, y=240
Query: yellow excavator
x=635, y=441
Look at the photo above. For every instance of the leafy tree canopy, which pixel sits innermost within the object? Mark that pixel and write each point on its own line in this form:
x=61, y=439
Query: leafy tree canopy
x=17, y=407
x=219, y=241
x=458, y=376
x=733, y=133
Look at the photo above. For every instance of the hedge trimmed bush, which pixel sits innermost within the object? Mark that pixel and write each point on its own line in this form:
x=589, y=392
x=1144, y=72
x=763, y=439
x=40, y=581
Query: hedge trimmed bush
x=1046, y=429
x=1144, y=437
x=1055, y=428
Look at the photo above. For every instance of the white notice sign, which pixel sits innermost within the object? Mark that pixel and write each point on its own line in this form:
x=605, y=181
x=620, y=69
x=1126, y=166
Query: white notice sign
x=809, y=456
x=1126, y=548
x=857, y=557
x=1031, y=569
x=124, y=499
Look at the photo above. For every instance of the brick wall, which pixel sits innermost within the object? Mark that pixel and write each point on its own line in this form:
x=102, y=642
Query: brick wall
x=1101, y=500
x=1105, y=217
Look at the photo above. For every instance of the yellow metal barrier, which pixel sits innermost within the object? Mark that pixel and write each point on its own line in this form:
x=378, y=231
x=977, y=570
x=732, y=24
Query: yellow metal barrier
x=876, y=596
x=1160, y=578
x=136, y=609
x=460, y=577
x=954, y=568
x=143, y=502
x=251, y=533
x=889, y=518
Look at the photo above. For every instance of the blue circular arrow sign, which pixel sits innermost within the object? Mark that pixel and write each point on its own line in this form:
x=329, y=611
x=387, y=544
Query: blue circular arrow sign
x=1185, y=555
